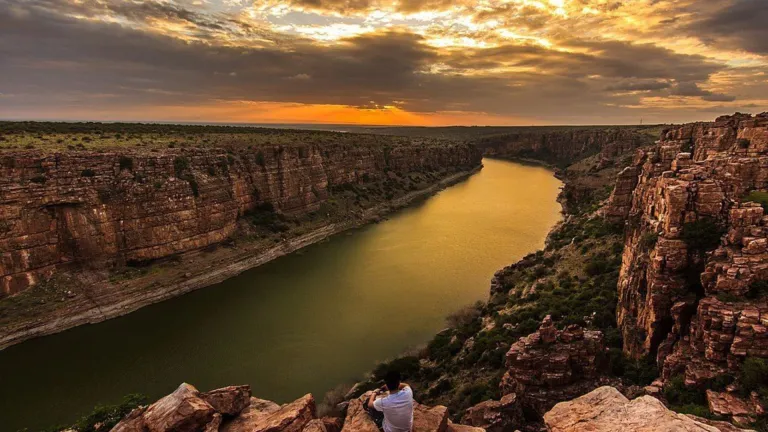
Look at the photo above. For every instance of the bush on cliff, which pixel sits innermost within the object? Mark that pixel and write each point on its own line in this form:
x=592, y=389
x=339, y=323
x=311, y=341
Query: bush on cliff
x=758, y=197
x=105, y=417
x=702, y=235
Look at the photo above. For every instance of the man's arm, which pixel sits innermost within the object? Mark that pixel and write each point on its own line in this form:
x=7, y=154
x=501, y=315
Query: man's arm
x=372, y=399
x=403, y=385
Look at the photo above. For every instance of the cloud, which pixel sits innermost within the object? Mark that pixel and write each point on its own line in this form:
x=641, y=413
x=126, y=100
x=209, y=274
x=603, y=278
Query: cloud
x=107, y=55
x=739, y=24
x=692, y=89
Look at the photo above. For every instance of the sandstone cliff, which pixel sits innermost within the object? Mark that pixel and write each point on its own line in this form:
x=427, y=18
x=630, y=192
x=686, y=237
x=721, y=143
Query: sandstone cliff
x=133, y=206
x=88, y=222
x=695, y=256
x=566, y=146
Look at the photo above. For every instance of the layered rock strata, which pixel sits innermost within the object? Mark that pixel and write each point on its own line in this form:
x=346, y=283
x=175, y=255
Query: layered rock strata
x=696, y=251
x=123, y=206
x=565, y=146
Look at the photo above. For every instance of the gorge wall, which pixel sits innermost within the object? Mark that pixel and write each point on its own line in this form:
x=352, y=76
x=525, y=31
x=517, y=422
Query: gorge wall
x=121, y=206
x=564, y=147
x=695, y=260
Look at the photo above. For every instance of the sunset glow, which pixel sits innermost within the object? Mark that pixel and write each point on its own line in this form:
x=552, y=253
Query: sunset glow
x=428, y=62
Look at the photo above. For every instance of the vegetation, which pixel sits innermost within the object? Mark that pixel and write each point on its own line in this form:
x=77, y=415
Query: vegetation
x=702, y=235
x=104, y=417
x=759, y=197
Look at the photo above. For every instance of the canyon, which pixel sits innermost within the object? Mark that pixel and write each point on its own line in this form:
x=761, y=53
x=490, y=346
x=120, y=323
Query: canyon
x=649, y=298
x=82, y=227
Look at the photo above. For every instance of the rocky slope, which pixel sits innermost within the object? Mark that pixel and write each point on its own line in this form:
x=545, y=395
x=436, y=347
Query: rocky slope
x=91, y=224
x=695, y=261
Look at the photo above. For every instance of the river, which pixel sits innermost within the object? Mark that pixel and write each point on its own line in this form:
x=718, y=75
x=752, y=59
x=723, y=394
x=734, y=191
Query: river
x=302, y=323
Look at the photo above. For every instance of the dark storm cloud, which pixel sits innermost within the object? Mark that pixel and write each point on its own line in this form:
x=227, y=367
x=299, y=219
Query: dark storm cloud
x=48, y=58
x=740, y=24
x=639, y=86
x=692, y=89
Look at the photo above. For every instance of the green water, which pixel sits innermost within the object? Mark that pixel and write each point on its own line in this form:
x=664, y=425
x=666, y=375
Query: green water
x=302, y=323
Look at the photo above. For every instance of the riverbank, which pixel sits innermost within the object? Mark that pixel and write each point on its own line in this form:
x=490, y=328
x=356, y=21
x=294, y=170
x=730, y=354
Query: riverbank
x=196, y=270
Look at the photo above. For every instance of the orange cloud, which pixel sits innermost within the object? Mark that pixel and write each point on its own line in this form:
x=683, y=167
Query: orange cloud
x=279, y=112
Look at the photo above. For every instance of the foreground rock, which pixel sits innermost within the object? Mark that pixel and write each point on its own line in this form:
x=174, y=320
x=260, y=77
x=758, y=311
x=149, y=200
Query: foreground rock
x=607, y=410
x=233, y=409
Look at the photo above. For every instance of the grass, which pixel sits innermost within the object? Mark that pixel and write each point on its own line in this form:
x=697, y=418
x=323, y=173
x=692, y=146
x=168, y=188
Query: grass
x=759, y=197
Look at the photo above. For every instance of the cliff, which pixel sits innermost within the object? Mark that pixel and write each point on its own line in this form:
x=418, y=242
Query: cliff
x=695, y=263
x=82, y=228
x=562, y=148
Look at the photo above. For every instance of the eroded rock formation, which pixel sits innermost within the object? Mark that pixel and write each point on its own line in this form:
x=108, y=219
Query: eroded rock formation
x=552, y=365
x=696, y=252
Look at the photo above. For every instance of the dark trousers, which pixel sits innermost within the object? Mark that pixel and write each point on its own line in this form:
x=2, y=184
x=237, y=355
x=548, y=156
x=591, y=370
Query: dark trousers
x=375, y=415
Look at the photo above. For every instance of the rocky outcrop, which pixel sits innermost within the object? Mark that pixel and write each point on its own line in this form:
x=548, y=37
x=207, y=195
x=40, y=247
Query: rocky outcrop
x=678, y=300
x=130, y=205
x=232, y=409
x=553, y=365
x=563, y=146
x=607, y=410
x=496, y=416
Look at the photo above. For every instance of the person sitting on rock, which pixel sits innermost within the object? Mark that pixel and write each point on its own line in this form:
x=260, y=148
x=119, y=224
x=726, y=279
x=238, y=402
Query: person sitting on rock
x=397, y=407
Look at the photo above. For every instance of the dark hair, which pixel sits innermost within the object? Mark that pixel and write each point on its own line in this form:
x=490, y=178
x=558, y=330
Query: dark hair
x=392, y=380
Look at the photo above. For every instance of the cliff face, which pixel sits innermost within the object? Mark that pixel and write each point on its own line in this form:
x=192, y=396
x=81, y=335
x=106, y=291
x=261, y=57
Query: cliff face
x=563, y=147
x=695, y=254
x=131, y=206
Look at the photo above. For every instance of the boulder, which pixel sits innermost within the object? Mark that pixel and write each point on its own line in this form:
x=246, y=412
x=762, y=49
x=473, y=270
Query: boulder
x=133, y=422
x=495, y=416
x=357, y=419
x=228, y=400
x=292, y=417
x=426, y=419
x=452, y=427
x=250, y=415
x=181, y=411
x=607, y=410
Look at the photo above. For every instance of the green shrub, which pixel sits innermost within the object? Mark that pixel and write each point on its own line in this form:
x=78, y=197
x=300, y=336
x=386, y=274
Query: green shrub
x=40, y=179
x=648, y=241
x=126, y=163
x=743, y=143
x=754, y=375
x=260, y=158
x=105, y=417
x=759, y=197
x=180, y=165
x=758, y=289
x=87, y=173
x=702, y=235
x=678, y=394
x=639, y=372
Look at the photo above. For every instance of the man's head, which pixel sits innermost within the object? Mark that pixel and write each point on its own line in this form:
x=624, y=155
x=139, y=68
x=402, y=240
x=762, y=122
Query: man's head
x=392, y=380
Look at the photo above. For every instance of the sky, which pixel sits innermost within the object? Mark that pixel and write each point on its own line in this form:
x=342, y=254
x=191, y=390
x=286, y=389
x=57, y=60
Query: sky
x=401, y=62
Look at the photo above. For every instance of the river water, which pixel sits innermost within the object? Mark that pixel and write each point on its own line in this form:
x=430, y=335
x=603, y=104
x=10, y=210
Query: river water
x=302, y=323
